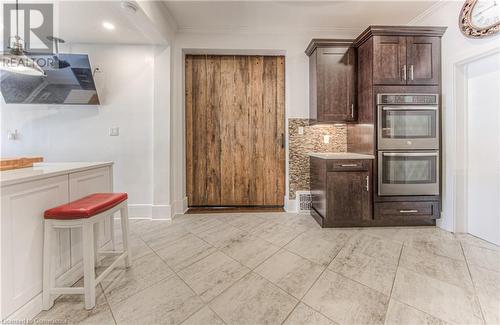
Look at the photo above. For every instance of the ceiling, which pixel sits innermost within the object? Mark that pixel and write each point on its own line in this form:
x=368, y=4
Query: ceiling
x=286, y=16
x=81, y=21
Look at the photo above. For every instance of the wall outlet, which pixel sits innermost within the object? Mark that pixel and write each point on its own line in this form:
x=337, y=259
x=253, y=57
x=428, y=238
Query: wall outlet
x=114, y=132
x=301, y=130
x=13, y=135
x=326, y=138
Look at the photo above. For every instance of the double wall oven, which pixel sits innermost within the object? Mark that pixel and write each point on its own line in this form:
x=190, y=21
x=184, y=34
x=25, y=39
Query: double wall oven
x=408, y=144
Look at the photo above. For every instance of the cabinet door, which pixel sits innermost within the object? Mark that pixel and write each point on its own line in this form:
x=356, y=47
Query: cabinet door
x=21, y=224
x=336, y=73
x=422, y=58
x=348, y=197
x=389, y=60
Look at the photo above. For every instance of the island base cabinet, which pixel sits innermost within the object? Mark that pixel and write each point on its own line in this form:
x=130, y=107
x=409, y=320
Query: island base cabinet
x=22, y=222
x=22, y=228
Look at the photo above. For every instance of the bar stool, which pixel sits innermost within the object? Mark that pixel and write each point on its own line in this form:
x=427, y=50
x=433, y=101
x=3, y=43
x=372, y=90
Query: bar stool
x=84, y=213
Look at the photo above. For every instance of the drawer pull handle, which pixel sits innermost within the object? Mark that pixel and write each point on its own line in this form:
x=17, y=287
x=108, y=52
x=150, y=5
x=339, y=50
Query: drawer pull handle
x=349, y=165
x=408, y=211
x=367, y=185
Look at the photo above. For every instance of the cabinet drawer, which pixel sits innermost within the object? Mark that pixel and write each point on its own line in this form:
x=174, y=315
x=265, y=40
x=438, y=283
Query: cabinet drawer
x=347, y=165
x=407, y=209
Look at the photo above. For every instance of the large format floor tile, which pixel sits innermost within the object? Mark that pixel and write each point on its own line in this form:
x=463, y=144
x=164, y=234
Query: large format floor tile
x=185, y=252
x=443, y=300
x=345, y=301
x=146, y=271
x=483, y=257
x=290, y=272
x=253, y=300
x=487, y=284
x=168, y=302
x=444, y=246
x=317, y=247
x=401, y=314
x=250, y=250
x=369, y=260
x=204, y=317
x=222, y=235
x=160, y=237
x=247, y=222
x=71, y=310
x=305, y=315
x=212, y=275
x=282, y=268
x=276, y=233
x=439, y=267
x=468, y=239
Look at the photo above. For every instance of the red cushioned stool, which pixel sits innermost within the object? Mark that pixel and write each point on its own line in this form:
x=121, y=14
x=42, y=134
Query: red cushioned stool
x=84, y=213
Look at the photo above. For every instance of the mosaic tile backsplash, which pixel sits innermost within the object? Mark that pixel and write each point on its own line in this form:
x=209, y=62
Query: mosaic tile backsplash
x=299, y=145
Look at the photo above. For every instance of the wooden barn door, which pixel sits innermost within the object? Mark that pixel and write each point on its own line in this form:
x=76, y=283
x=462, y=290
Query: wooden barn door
x=235, y=130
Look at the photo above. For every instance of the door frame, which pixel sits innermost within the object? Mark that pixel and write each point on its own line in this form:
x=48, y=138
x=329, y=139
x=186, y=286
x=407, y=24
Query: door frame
x=243, y=52
x=460, y=150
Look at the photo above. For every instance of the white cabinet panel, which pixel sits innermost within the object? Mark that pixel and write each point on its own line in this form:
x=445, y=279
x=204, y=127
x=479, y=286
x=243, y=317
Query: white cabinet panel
x=82, y=184
x=21, y=222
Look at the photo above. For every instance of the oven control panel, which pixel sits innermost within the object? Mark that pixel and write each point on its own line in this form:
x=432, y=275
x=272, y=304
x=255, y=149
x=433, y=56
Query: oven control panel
x=408, y=99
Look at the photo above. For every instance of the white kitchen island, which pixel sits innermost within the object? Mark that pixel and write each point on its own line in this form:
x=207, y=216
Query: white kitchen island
x=25, y=194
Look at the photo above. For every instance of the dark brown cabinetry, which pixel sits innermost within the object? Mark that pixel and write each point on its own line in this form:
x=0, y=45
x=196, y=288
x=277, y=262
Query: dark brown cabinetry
x=406, y=60
x=341, y=192
x=332, y=81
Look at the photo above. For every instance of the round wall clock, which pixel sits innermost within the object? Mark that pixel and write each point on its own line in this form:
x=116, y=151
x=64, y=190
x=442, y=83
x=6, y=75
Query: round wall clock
x=480, y=18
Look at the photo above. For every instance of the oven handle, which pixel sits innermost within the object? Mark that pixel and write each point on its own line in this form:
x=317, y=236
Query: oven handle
x=410, y=154
x=410, y=108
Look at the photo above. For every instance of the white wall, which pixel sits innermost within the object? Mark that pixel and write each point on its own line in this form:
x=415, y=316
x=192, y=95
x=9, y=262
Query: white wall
x=80, y=133
x=483, y=148
x=456, y=48
x=292, y=45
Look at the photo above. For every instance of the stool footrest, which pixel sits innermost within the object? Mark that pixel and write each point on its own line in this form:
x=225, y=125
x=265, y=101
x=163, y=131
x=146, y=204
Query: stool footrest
x=67, y=291
x=111, y=253
x=110, y=268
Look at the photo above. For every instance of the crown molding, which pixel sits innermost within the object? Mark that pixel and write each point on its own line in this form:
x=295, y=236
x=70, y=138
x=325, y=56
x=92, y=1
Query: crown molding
x=246, y=30
x=420, y=17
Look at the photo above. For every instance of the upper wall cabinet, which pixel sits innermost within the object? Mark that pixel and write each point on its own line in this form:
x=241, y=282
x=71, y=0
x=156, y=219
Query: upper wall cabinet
x=332, y=81
x=404, y=55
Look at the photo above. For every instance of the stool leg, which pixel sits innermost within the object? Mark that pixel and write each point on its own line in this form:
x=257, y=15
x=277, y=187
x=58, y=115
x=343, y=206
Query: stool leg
x=48, y=276
x=125, y=234
x=88, y=265
x=112, y=232
x=96, y=239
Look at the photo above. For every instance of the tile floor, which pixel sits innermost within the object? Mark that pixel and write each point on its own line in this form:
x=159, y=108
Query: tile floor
x=278, y=268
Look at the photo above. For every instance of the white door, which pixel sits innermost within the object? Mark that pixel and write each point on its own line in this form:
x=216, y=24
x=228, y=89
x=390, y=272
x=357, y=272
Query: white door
x=483, y=148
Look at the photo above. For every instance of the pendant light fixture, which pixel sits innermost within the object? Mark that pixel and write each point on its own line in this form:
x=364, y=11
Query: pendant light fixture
x=16, y=60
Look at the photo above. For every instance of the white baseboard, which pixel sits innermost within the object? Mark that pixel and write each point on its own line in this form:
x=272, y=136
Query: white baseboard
x=179, y=206
x=290, y=205
x=162, y=212
x=150, y=211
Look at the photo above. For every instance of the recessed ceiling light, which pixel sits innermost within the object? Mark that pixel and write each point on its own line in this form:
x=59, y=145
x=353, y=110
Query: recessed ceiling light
x=108, y=25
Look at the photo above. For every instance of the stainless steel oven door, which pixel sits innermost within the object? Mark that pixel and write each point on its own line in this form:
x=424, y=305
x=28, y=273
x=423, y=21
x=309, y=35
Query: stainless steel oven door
x=408, y=173
x=408, y=127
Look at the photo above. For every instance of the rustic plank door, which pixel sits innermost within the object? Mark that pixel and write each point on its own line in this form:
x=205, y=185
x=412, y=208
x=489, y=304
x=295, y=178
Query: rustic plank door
x=235, y=114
